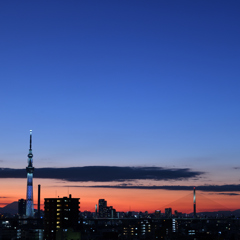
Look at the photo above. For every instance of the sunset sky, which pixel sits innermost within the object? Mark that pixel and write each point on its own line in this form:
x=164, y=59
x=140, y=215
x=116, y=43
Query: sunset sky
x=135, y=101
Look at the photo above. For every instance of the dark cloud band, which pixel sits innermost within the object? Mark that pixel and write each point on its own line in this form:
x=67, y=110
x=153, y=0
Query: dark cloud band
x=104, y=173
x=205, y=188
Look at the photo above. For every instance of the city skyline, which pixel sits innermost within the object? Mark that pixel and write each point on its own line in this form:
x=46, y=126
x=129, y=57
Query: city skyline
x=135, y=103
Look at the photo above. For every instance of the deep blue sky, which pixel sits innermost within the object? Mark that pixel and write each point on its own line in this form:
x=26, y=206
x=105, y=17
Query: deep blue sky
x=121, y=83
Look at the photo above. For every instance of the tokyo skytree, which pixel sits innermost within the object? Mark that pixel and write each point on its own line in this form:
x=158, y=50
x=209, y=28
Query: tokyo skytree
x=30, y=169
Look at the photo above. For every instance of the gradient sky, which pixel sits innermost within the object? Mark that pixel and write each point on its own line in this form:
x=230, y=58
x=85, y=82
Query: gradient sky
x=121, y=83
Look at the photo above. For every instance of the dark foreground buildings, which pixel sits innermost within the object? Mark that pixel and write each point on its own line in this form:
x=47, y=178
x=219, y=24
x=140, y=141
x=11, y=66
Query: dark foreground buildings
x=68, y=226
x=61, y=214
x=165, y=228
x=21, y=207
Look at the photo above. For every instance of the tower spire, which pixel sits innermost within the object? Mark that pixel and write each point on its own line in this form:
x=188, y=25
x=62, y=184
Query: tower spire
x=30, y=140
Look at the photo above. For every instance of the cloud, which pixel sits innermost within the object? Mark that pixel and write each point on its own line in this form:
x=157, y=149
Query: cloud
x=204, y=188
x=229, y=194
x=104, y=173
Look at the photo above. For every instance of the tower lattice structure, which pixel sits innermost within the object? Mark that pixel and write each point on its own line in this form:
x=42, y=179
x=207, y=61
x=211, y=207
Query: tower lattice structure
x=30, y=169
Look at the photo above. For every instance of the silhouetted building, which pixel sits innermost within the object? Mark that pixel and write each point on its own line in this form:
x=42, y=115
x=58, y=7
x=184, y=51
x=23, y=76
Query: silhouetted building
x=39, y=211
x=168, y=212
x=102, y=208
x=111, y=212
x=178, y=214
x=21, y=207
x=60, y=215
x=104, y=211
x=137, y=229
x=157, y=213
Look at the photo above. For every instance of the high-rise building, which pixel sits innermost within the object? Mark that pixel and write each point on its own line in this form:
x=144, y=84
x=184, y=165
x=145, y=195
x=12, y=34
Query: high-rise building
x=102, y=208
x=30, y=169
x=157, y=213
x=60, y=214
x=168, y=212
x=104, y=211
x=21, y=207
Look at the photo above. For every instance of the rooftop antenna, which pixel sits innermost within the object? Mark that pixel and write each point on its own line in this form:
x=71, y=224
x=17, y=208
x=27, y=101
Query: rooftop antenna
x=30, y=140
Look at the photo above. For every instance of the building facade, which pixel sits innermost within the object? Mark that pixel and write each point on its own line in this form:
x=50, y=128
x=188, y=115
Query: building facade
x=104, y=211
x=61, y=214
x=102, y=208
x=21, y=207
x=168, y=212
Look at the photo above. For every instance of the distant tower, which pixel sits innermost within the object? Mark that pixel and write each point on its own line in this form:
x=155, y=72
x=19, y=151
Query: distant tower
x=96, y=211
x=194, y=202
x=30, y=169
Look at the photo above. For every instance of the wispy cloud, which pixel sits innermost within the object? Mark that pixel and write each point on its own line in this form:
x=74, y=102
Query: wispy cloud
x=104, y=173
x=205, y=188
x=229, y=194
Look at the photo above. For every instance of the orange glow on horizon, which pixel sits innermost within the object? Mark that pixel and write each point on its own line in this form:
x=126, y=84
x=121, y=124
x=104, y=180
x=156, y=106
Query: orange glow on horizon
x=121, y=199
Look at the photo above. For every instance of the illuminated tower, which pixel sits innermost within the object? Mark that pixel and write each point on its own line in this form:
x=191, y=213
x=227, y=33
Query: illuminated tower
x=30, y=169
x=194, y=203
